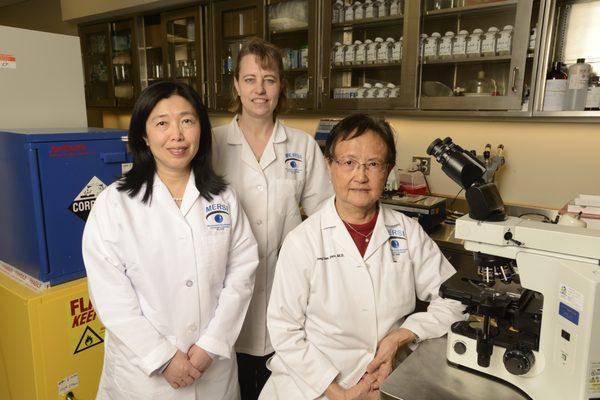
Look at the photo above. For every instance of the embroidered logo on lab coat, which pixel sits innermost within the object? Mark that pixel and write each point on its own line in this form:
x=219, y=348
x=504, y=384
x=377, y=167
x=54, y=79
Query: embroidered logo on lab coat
x=397, y=241
x=294, y=162
x=217, y=216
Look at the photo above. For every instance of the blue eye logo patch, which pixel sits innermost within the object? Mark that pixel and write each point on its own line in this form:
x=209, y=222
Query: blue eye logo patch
x=293, y=162
x=397, y=241
x=217, y=216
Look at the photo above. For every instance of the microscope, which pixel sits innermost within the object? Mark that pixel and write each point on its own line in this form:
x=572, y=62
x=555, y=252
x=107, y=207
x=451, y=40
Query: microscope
x=534, y=299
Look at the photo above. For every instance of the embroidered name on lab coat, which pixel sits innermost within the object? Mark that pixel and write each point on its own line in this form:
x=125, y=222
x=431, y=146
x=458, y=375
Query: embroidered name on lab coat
x=397, y=241
x=294, y=162
x=329, y=257
x=217, y=216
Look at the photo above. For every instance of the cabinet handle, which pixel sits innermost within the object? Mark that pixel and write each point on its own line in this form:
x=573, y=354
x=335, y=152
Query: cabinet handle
x=216, y=88
x=514, y=79
x=323, y=91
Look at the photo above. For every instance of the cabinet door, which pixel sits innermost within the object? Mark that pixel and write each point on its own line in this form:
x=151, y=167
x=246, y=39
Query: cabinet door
x=184, y=47
x=97, y=56
x=151, y=41
x=292, y=26
x=233, y=22
x=383, y=36
x=488, y=71
x=125, y=70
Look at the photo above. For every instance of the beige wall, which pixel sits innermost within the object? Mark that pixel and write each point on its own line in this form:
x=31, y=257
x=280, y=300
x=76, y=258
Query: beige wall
x=38, y=15
x=547, y=163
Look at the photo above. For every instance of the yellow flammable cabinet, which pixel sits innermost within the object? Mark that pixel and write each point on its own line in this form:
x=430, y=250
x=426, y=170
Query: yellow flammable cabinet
x=51, y=342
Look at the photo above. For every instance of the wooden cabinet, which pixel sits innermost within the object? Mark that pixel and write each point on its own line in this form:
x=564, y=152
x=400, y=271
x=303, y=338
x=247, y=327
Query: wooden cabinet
x=233, y=21
x=110, y=63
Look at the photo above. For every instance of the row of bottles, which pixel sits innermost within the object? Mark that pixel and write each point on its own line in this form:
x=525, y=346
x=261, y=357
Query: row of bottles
x=465, y=45
x=377, y=90
x=370, y=51
x=356, y=11
x=577, y=89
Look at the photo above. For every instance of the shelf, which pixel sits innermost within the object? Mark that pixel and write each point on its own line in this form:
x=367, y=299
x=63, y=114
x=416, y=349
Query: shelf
x=172, y=39
x=289, y=31
x=369, y=22
x=471, y=9
x=365, y=66
x=295, y=70
x=468, y=60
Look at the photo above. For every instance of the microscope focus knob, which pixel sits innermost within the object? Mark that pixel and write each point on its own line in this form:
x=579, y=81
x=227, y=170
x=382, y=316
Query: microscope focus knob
x=518, y=362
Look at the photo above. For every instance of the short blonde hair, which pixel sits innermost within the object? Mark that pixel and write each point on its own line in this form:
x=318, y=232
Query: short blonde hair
x=269, y=57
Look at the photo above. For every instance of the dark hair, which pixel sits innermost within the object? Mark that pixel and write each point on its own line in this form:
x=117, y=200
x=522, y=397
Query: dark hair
x=208, y=182
x=269, y=57
x=356, y=125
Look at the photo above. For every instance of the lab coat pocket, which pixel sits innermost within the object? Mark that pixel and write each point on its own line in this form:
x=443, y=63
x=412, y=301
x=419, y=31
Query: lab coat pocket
x=399, y=287
x=213, y=260
x=287, y=196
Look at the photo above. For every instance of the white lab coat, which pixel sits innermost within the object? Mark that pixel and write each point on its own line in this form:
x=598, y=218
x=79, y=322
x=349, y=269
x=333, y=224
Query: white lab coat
x=291, y=171
x=330, y=307
x=163, y=278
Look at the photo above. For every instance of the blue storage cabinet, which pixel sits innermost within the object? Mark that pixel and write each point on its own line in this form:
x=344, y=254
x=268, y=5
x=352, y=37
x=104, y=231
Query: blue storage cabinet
x=48, y=183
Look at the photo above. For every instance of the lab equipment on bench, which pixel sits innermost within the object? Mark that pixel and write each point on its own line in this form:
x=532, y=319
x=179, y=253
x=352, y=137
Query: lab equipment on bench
x=430, y=211
x=534, y=298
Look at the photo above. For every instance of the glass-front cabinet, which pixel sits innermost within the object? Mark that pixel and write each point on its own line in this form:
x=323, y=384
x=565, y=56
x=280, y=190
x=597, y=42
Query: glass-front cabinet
x=292, y=26
x=171, y=48
x=233, y=22
x=477, y=54
x=369, y=54
x=110, y=64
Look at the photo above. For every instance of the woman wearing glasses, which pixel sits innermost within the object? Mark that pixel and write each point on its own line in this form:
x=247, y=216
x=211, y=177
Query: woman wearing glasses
x=347, y=278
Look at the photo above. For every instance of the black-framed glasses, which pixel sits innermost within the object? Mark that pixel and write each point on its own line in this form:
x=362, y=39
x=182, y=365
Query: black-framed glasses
x=349, y=164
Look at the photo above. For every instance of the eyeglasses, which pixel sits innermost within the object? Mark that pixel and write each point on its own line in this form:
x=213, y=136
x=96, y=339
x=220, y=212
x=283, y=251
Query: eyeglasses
x=348, y=164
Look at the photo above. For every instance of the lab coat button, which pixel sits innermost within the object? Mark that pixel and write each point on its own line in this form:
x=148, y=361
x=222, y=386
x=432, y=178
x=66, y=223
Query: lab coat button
x=193, y=328
x=260, y=188
x=259, y=222
x=189, y=283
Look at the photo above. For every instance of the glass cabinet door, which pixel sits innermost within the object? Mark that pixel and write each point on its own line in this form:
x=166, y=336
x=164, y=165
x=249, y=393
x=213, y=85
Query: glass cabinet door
x=152, y=62
x=124, y=66
x=477, y=54
x=367, y=51
x=96, y=49
x=233, y=22
x=292, y=27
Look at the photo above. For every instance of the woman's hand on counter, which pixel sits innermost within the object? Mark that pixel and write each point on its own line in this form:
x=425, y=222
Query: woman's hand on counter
x=383, y=363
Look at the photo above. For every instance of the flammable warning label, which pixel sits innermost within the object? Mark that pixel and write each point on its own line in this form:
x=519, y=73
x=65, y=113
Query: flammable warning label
x=85, y=330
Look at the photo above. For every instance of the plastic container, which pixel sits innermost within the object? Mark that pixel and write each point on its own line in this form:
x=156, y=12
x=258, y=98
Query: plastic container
x=445, y=49
x=372, y=50
x=348, y=13
x=394, y=91
x=349, y=54
x=364, y=90
x=377, y=5
x=337, y=12
x=459, y=47
x=396, y=7
x=359, y=11
x=384, y=8
x=377, y=90
x=578, y=77
x=488, y=44
x=504, y=42
x=384, y=52
x=360, y=52
x=430, y=52
x=397, y=51
x=338, y=54
x=474, y=43
x=368, y=6
x=412, y=182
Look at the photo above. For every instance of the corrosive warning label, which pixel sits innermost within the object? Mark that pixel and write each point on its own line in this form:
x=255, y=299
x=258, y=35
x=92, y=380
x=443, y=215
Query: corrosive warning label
x=85, y=329
x=88, y=339
x=84, y=201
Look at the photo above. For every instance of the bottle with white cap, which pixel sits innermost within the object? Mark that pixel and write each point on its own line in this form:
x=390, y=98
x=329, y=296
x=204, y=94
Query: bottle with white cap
x=348, y=13
x=578, y=77
x=372, y=50
x=362, y=92
x=349, y=54
x=459, y=47
x=338, y=54
x=474, y=43
x=360, y=52
x=431, y=46
x=445, y=49
x=384, y=53
x=397, y=51
x=488, y=44
x=368, y=9
x=359, y=11
x=504, y=42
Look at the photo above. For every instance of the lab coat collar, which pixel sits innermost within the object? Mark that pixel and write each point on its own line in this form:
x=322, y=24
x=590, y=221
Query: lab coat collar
x=236, y=137
x=161, y=193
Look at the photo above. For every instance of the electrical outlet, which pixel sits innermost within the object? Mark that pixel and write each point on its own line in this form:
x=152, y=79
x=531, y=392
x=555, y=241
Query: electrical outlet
x=424, y=164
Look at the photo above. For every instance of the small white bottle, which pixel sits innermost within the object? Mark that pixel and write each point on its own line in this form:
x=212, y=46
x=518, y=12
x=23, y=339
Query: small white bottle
x=368, y=6
x=349, y=54
x=474, y=43
x=578, y=77
x=338, y=54
x=359, y=11
x=375, y=90
x=337, y=12
x=348, y=13
x=395, y=7
x=377, y=6
x=360, y=53
x=504, y=42
x=488, y=44
x=431, y=46
x=459, y=47
x=397, y=51
x=372, y=50
x=532, y=39
x=364, y=91
x=394, y=90
x=445, y=49
x=384, y=52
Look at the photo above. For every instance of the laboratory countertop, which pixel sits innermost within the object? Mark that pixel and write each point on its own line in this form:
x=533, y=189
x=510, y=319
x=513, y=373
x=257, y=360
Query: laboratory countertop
x=426, y=375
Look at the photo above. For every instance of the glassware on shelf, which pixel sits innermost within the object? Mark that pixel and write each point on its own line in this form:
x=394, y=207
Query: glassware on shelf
x=360, y=55
x=532, y=39
x=289, y=15
x=396, y=7
x=439, y=4
x=304, y=56
x=432, y=43
x=359, y=12
x=349, y=54
x=393, y=90
x=504, y=42
x=348, y=13
x=372, y=50
x=556, y=88
x=337, y=12
x=578, y=77
x=363, y=91
x=459, y=47
x=368, y=9
x=338, y=54
x=488, y=44
x=384, y=52
x=474, y=43
x=397, y=51
x=481, y=86
x=445, y=48
x=592, y=102
x=377, y=5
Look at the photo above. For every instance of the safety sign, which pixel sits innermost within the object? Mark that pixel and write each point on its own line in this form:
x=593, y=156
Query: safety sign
x=84, y=201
